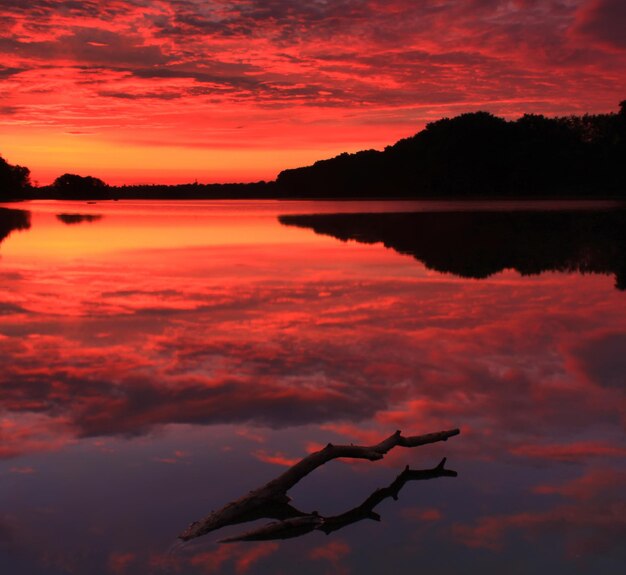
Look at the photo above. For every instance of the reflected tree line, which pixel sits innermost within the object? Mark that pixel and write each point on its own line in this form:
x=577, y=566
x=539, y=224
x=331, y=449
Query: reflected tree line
x=478, y=244
x=20, y=220
x=472, y=155
x=74, y=219
x=471, y=244
x=12, y=220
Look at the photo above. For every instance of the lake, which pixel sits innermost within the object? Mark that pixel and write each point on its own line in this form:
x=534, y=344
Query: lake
x=159, y=360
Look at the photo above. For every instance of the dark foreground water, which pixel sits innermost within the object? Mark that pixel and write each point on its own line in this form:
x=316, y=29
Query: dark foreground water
x=161, y=359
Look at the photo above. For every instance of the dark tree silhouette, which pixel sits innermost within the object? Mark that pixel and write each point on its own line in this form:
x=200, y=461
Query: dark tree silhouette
x=474, y=155
x=254, y=190
x=74, y=187
x=480, y=155
x=14, y=182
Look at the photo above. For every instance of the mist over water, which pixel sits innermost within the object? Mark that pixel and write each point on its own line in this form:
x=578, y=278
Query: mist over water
x=161, y=359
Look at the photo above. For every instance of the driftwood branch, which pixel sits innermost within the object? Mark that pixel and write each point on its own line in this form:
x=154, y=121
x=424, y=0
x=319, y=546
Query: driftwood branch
x=298, y=526
x=271, y=500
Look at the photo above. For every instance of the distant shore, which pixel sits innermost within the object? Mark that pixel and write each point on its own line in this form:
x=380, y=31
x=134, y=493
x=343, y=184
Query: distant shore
x=474, y=156
x=613, y=197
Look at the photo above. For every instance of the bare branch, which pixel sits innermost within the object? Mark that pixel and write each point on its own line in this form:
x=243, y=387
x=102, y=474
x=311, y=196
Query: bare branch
x=366, y=509
x=374, y=452
x=286, y=529
x=271, y=500
x=299, y=526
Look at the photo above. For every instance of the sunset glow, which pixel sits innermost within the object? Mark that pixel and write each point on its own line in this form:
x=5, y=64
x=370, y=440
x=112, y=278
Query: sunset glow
x=161, y=359
x=236, y=90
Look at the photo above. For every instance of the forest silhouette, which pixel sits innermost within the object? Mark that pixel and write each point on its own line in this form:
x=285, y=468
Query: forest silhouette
x=478, y=244
x=480, y=155
x=472, y=155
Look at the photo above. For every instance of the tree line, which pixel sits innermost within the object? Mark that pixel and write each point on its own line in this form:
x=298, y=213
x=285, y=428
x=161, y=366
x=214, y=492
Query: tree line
x=480, y=155
x=472, y=155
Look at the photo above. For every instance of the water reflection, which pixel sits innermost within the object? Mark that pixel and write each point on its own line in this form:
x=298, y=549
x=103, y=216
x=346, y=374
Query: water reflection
x=475, y=244
x=11, y=220
x=175, y=356
x=73, y=219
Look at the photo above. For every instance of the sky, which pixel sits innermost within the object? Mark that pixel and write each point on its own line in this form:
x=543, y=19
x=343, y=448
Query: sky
x=172, y=91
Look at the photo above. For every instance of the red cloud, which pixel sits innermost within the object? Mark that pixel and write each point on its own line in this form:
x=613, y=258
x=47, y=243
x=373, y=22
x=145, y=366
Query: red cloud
x=570, y=452
x=427, y=514
x=603, y=21
x=595, y=484
x=119, y=563
x=333, y=552
x=248, y=557
x=276, y=458
x=186, y=77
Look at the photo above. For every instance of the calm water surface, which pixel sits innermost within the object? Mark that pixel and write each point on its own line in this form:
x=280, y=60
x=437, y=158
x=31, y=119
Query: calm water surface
x=161, y=359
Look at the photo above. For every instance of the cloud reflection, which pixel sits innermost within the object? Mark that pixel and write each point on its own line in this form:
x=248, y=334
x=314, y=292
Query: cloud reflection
x=591, y=521
x=318, y=339
x=498, y=355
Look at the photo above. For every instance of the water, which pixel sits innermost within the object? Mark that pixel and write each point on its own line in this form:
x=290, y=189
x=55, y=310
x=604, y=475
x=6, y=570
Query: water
x=159, y=360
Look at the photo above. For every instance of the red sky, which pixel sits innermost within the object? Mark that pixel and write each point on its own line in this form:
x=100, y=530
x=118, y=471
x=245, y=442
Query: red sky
x=236, y=90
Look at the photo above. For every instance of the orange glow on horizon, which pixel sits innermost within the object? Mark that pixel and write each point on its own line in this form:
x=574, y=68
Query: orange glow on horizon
x=169, y=92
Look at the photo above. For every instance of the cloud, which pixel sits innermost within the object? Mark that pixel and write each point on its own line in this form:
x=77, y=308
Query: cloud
x=22, y=470
x=426, y=514
x=595, y=484
x=354, y=63
x=594, y=524
x=87, y=46
x=8, y=308
x=603, y=21
x=270, y=343
x=601, y=360
x=333, y=552
x=119, y=563
x=574, y=452
x=276, y=458
x=243, y=558
x=7, y=72
x=251, y=556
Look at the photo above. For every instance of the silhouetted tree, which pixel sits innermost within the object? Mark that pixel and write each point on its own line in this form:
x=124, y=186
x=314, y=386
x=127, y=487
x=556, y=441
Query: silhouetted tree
x=73, y=187
x=480, y=155
x=14, y=181
x=256, y=190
